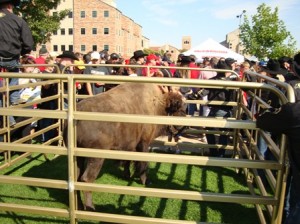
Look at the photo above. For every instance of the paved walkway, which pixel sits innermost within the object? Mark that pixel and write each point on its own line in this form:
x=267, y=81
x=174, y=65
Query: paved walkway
x=187, y=142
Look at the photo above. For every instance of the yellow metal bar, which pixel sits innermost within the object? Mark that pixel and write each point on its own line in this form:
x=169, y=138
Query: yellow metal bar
x=37, y=182
x=46, y=211
x=177, y=194
x=179, y=159
x=71, y=144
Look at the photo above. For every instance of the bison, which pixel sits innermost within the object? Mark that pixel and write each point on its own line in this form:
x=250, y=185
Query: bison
x=127, y=98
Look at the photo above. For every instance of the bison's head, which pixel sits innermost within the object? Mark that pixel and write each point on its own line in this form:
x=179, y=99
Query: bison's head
x=175, y=107
x=174, y=103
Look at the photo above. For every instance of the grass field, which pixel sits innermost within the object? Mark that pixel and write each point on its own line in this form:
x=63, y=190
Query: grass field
x=167, y=176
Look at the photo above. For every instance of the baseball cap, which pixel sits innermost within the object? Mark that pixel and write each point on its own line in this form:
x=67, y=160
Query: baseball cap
x=230, y=61
x=95, y=56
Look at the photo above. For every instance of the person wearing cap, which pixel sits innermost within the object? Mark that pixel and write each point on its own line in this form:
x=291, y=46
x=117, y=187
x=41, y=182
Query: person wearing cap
x=231, y=63
x=98, y=87
x=150, y=61
x=139, y=59
x=79, y=68
x=66, y=60
x=43, y=54
x=115, y=59
x=287, y=120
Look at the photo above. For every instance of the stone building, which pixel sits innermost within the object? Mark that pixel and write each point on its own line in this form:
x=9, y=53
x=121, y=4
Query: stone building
x=97, y=25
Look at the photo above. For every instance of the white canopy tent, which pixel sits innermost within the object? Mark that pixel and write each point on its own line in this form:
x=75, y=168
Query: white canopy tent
x=211, y=48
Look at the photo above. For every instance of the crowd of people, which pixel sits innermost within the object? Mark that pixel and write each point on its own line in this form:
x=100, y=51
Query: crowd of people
x=17, y=44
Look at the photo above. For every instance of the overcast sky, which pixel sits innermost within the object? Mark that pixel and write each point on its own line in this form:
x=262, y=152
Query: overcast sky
x=165, y=22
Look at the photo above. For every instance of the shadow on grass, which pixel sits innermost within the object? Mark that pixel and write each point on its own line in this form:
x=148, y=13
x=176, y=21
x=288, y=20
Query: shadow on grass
x=161, y=178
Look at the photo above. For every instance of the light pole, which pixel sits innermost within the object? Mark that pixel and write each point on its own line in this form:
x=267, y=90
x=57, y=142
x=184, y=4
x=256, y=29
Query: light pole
x=240, y=17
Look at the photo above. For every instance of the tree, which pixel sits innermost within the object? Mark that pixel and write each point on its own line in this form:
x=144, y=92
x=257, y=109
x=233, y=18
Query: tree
x=267, y=37
x=37, y=14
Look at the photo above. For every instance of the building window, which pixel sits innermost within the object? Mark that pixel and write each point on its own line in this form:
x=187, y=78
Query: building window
x=106, y=30
x=62, y=47
x=83, y=31
x=71, y=48
x=106, y=13
x=94, y=31
x=82, y=14
x=55, y=32
x=106, y=47
x=55, y=48
x=70, y=31
x=62, y=31
x=94, y=14
x=94, y=47
x=70, y=15
x=82, y=48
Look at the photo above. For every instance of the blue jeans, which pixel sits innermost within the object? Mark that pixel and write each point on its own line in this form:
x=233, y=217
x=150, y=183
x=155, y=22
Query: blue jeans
x=12, y=66
x=293, y=208
x=223, y=139
x=294, y=216
x=192, y=107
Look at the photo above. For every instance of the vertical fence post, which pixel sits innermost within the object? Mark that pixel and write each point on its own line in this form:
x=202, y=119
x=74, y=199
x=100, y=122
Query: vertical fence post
x=71, y=139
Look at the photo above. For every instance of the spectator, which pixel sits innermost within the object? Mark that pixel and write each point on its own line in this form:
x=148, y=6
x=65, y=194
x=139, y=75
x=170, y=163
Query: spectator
x=30, y=94
x=43, y=54
x=67, y=58
x=139, y=57
x=86, y=58
x=79, y=69
x=48, y=90
x=151, y=61
x=224, y=111
x=194, y=74
x=205, y=75
x=95, y=88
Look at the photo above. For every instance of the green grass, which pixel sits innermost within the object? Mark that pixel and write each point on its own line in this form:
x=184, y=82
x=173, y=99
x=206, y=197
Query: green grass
x=167, y=176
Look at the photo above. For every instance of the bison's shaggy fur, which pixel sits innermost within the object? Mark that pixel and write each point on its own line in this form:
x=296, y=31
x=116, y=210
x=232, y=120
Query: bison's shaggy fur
x=128, y=98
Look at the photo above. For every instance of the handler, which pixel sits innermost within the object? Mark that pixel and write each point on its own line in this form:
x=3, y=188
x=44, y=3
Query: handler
x=15, y=40
x=287, y=120
x=15, y=36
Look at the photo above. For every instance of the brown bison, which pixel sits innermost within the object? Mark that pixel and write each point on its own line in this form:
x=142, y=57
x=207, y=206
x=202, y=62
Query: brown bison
x=127, y=98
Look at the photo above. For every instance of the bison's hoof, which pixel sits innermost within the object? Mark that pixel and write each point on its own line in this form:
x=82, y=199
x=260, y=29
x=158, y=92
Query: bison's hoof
x=90, y=208
x=148, y=182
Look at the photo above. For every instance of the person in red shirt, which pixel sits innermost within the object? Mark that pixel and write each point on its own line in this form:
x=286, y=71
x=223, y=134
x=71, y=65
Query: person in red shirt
x=192, y=107
x=43, y=54
x=194, y=73
x=151, y=61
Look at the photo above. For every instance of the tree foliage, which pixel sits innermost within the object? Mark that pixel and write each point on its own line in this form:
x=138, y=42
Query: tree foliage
x=37, y=14
x=267, y=35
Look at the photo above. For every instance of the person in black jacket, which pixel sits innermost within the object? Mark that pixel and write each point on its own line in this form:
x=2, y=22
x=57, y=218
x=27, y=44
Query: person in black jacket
x=16, y=40
x=225, y=111
x=287, y=120
x=15, y=36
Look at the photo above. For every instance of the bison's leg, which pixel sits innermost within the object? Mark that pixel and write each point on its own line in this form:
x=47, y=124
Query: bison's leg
x=91, y=172
x=126, y=172
x=80, y=168
x=140, y=166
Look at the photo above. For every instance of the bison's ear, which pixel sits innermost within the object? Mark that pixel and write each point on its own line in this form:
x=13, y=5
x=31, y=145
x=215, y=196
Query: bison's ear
x=174, y=102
